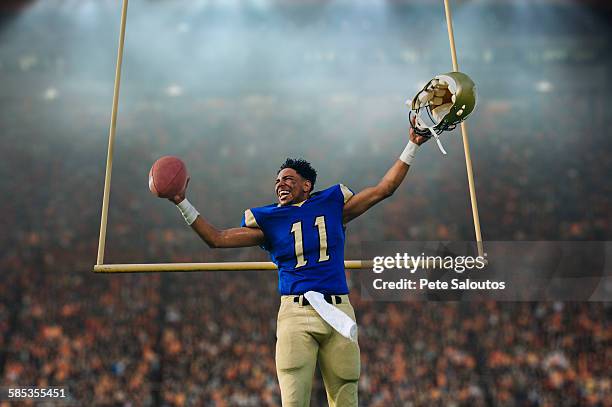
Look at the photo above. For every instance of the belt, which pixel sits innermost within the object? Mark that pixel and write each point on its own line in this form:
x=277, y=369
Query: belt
x=332, y=299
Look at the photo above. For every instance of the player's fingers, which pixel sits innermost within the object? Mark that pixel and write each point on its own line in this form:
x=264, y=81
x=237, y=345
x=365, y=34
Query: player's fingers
x=413, y=120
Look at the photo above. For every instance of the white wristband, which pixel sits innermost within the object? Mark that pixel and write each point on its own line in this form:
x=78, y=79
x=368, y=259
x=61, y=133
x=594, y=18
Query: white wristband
x=188, y=211
x=409, y=152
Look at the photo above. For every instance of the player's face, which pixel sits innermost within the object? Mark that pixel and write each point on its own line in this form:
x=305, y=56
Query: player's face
x=291, y=187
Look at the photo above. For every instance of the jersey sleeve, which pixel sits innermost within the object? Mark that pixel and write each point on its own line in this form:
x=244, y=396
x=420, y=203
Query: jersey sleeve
x=346, y=193
x=248, y=220
x=339, y=194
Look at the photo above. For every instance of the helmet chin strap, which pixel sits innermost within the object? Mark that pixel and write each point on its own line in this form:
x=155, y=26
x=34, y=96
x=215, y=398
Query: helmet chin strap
x=420, y=124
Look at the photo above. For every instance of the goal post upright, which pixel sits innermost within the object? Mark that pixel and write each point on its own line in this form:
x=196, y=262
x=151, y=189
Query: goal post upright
x=111, y=137
x=464, y=136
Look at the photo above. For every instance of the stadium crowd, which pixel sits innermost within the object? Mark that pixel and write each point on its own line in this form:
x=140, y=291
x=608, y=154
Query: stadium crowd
x=208, y=339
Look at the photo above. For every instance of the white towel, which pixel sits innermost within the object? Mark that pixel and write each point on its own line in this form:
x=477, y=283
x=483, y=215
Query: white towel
x=332, y=315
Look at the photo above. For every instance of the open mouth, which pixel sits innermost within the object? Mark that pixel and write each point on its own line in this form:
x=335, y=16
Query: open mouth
x=283, y=194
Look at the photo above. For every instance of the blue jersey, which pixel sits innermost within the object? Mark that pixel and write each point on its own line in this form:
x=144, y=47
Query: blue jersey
x=306, y=241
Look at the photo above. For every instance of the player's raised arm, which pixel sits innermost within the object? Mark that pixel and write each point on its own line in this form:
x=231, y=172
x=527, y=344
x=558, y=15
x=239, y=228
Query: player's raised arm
x=234, y=237
x=215, y=238
x=168, y=178
x=369, y=197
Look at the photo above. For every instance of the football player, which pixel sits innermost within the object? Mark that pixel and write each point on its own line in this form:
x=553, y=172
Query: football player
x=304, y=233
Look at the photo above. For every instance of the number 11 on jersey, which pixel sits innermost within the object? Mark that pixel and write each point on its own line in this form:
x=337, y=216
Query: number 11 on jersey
x=296, y=229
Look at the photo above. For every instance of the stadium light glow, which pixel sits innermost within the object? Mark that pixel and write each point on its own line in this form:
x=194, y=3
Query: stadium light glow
x=544, y=86
x=50, y=94
x=174, y=90
x=183, y=28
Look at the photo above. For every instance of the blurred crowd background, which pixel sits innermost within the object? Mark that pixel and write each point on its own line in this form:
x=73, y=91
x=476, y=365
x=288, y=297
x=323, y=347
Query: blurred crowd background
x=233, y=88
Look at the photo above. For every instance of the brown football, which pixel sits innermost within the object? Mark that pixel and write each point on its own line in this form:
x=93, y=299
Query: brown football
x=168, y=177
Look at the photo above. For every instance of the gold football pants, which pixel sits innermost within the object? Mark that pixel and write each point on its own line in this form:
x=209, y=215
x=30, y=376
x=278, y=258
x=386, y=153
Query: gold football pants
x=302, y=339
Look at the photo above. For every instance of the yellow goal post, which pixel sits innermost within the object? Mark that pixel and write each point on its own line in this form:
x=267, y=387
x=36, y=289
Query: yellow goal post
x=100, y=267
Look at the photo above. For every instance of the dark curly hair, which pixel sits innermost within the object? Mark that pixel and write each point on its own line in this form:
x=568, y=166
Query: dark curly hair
x=302, y=167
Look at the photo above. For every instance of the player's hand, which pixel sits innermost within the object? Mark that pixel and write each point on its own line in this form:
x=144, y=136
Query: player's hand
x=178, y=198
x=415, y=138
